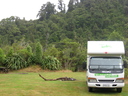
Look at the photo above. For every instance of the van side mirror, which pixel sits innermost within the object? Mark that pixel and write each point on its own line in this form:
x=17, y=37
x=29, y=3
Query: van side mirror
x=125, y=64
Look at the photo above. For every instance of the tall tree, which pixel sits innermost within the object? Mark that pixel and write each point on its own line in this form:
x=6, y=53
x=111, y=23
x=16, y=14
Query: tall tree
x=72, y=5
x=46, y=11
x=61, y=6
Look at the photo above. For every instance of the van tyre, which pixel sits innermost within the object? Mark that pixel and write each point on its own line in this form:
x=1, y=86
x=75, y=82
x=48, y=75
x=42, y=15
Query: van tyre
x=119, y=90
x=90, y=89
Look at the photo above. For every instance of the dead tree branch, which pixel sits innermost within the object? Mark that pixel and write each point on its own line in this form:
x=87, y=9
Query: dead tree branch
x=62, y=79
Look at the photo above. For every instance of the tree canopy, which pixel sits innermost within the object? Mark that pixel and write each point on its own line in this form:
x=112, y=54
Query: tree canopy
x=67, y=31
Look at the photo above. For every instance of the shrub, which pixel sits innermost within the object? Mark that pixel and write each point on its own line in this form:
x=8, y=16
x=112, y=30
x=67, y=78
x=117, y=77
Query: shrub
x=15, y=62
x=26, y=54
x=51, y=63
x=2, y=57
x=126, y=73
x=38, y=53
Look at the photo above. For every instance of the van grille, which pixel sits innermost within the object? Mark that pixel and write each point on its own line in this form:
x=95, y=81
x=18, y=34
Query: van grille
x=106, y=81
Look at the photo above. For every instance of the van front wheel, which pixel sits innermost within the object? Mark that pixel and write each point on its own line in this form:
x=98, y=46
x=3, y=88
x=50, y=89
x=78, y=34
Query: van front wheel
x=90, y=89
x=119, y=90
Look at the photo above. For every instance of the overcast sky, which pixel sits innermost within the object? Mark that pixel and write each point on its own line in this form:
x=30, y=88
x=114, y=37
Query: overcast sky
x=23, y=8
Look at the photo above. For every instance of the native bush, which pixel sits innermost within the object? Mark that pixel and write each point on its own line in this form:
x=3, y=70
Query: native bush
x=26, y=54
x=10, y=52
x=2, y=57
x=51, y=63
x=38, y=54
x=126, y=73
x=125, y=59
x=15, y=62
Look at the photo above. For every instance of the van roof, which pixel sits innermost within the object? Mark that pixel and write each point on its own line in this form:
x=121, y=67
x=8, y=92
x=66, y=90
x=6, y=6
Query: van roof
x=105, y=47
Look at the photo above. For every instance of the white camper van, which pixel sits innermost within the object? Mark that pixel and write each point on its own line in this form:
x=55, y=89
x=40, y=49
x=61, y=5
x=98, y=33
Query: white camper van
x=105, y=68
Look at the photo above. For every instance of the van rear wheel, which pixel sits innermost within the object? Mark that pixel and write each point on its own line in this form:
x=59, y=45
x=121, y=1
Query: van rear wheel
x=90, y=89
x=119, y=90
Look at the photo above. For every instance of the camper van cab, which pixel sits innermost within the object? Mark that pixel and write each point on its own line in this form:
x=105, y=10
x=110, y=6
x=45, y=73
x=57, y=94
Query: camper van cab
x=105, y=68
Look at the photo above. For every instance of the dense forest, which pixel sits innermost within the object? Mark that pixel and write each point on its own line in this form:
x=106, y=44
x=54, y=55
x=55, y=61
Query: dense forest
x=58, y=38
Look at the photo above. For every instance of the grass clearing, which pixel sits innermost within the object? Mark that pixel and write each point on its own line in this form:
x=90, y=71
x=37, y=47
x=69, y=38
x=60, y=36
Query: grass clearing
x=30, y=84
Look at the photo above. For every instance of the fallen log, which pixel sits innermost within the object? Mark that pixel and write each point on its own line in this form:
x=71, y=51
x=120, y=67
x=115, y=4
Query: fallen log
x=62, y=79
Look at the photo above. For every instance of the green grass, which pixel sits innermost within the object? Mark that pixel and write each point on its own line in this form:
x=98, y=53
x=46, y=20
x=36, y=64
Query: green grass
x=14, y=84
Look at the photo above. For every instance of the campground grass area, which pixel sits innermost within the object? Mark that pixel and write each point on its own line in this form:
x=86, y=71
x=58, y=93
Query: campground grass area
x=30, y=84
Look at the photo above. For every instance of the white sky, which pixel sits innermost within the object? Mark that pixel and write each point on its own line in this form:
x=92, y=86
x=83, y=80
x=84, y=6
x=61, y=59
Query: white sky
x=23, y=8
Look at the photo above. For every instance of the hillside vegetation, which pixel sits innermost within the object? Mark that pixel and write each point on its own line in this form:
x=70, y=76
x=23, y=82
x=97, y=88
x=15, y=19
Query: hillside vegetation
x=58, y=38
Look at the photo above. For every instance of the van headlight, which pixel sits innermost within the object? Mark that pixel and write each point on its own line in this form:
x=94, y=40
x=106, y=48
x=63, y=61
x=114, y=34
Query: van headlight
x=92, y=80
x=119, y=80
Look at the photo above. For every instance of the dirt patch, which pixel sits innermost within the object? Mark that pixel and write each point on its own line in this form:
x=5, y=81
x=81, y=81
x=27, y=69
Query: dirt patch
x=64, y=71
x=56, y=71
x=37, y=68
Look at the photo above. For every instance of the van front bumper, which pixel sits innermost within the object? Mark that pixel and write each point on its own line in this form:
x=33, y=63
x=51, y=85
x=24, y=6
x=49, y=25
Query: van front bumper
x=106, y=85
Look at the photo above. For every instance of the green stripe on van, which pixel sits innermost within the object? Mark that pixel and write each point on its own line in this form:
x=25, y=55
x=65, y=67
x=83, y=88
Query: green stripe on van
x=106, y=75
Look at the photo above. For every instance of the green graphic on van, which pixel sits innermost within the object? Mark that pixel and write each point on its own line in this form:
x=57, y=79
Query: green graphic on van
x=105, y=46
x=106, y=75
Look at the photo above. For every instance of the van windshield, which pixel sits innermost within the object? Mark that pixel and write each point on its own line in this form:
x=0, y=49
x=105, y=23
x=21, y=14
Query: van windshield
x=106, y=63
